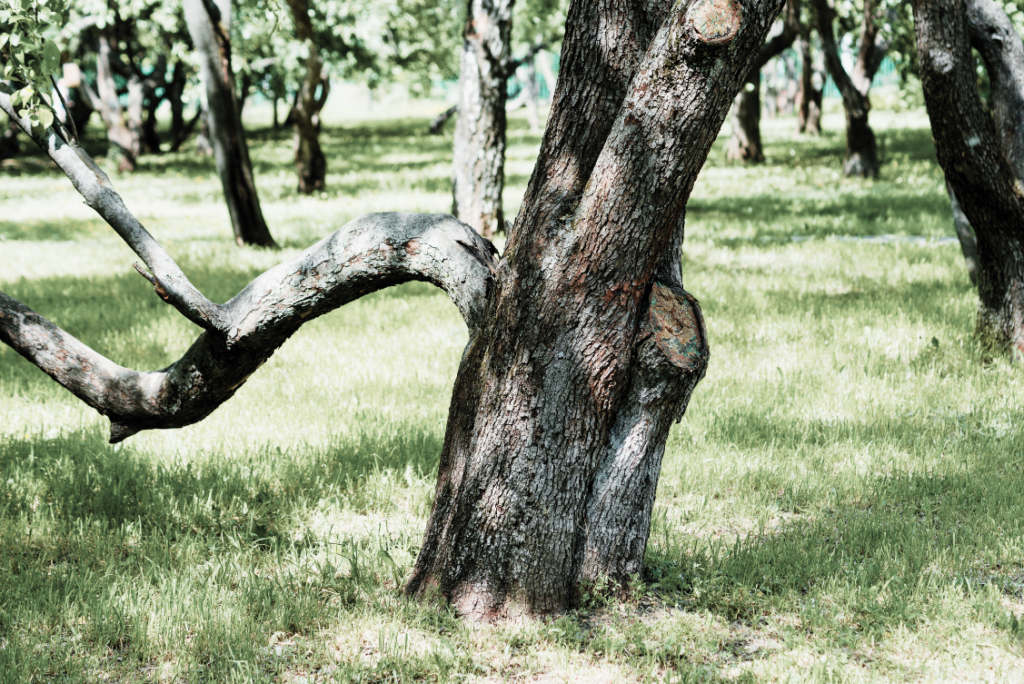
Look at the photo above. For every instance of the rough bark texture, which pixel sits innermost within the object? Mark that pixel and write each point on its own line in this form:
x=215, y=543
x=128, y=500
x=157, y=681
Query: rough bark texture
x=745, y=142
x=310, y=162
x=981, y=155
x=209, y=24
x=861, y=147
x=478, y=168
x=812, y=82
x=583, y=346
x=563, y=400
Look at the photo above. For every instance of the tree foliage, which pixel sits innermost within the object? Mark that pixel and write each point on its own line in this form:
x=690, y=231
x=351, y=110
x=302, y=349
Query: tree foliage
x=29, y=53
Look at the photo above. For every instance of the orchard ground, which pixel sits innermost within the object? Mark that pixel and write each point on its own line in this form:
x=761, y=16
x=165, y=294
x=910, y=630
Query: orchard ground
x=842, y=501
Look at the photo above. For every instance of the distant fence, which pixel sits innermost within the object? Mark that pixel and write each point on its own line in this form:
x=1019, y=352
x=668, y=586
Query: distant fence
x=886, y=75
x=515, y=84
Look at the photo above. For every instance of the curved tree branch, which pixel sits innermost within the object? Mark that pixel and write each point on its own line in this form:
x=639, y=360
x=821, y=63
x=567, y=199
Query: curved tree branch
x=367, y=254
x=99, y=193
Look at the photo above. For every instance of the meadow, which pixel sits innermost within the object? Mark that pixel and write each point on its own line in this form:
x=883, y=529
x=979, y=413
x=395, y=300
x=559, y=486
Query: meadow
x=841, y=503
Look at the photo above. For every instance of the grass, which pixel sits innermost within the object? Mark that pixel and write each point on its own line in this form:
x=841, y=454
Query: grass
x=841, y=502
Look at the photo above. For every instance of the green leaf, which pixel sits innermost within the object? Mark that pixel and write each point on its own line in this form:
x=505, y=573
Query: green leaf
x=15, y=98
x=51, y=56
x=45, y=117
x=4, y=37
x=15, y=40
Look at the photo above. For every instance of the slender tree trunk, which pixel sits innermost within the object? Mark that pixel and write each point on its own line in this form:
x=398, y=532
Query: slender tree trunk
x=478, y=169
x=124, y=128
x=209, y=25
x=150, y=131
x=546, y=71
x=564, y=397
x=174, y=93
x=745, y=143
x=981, y=155
x=9, y=141
x=811, y=86
x=861, y=147
x=310, y=162
x=437, y=125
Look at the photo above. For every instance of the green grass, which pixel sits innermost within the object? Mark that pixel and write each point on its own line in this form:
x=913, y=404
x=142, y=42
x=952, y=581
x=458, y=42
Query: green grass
x=840, y=503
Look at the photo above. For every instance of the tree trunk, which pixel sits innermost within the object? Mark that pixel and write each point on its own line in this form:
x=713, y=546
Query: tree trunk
x=310, y=162
x=583, y=346
x=437, y=125
x=745, y=143
x=965, y=234
x=174, y=93
x=9, y=141
x=124, y=128
x=982, y=156
x=563, y=399
x=811, y=86
x=861, y=148
x=209, y=25
x=478, y=168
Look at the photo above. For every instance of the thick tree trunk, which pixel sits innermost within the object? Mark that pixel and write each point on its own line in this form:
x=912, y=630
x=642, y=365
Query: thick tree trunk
x=9, y=141
x=812, y=83
x=209, y=25
x=310, y=162
x=861, y=147
x=583, y=346
x=745, y=143
x=478, y=168
x=563, y=399
x=981, y=155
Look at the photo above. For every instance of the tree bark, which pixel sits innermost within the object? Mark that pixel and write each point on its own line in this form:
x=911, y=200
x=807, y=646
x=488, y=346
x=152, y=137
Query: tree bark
x=861, y=147
x=124, y=127
x=982, y=156
x=209, y=24
x=437, y=125
x=965, y=234
x=478, y=167
x=310, y=162
x=563, y=399
x=812, y=83
x=583, y=346
x=745, y=142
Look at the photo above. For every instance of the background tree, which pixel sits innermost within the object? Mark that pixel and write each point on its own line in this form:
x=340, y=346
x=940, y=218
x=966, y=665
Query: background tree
x=812, y=84
x=584, y=347
x=478, y=166
x=745, y=142
x=981, y=155
x=861, y=147
x=209, y=24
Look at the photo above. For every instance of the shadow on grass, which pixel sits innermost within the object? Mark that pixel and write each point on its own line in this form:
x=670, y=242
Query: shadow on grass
x=878, y=547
